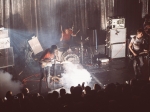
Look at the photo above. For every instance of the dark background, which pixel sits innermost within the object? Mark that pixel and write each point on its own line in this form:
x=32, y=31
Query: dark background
x=44, y=17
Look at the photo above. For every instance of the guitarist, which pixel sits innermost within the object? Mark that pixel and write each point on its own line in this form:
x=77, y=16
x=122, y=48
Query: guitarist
x=46, y=59
x=136, y=46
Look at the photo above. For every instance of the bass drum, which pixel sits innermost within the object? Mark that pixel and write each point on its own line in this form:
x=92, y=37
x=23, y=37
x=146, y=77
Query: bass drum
x=71, y=57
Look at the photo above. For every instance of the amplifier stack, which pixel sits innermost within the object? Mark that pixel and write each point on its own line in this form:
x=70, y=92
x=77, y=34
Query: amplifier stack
x=6, y=52
x=116, y=38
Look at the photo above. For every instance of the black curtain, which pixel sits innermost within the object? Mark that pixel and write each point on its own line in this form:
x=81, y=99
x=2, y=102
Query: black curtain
x=149, y=6
x=43, y=18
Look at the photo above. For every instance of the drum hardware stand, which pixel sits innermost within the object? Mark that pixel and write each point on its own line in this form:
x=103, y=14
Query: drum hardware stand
x=54, y=77
x=91, y=54
x=81, y=53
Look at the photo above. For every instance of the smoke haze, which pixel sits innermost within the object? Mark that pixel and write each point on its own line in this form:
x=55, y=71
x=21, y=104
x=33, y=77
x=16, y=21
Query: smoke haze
x=6, y=84
x=75, y=74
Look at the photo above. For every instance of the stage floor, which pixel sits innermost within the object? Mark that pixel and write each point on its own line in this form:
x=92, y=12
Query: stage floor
x=118, y=71
x=115, y=71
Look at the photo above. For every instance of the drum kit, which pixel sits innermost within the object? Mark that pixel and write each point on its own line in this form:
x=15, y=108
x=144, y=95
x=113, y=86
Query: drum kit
x=72, y=53
x=75, y=53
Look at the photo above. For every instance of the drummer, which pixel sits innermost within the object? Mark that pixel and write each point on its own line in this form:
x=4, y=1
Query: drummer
x=66, y=36
x=65, y=41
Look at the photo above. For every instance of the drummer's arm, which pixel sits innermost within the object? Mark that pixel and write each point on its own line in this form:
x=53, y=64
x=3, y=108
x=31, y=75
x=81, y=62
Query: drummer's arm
x=61, y=37
x=73, y=35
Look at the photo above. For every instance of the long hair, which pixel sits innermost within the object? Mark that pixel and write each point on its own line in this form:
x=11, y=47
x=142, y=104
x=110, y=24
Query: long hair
x=44, y=53
x=53, y=48
x=140, y=30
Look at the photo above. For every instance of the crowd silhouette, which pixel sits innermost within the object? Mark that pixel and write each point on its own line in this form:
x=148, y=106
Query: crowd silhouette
x=131, y=97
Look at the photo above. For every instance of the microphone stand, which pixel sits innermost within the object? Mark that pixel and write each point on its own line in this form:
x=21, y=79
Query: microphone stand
x=81, y=51
x=54, y=74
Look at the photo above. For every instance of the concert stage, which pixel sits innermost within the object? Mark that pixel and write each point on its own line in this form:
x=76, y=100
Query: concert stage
x=115, y=71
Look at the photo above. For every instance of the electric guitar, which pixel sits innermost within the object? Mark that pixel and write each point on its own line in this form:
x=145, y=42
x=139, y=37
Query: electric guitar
x=48, y=62
x=142, y=53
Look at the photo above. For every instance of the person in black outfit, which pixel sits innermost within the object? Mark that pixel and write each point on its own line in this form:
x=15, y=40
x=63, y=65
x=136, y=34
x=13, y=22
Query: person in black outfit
x=46, y=61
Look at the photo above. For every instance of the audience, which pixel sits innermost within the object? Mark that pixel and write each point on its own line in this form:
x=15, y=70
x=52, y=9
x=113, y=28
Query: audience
x=133, y=97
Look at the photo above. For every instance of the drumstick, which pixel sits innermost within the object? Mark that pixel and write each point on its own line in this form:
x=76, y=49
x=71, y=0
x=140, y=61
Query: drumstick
x=78, y=32
x=72, y=26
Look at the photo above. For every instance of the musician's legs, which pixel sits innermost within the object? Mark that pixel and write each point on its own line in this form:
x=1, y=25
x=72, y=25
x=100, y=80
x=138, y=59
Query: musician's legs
x=42, y=76
x=48, y=77
x=140, y=65
x=135, y=67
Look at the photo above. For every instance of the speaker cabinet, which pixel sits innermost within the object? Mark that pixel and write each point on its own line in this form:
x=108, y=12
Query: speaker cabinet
x=118, y=50
x=4, y=43
x=4, y=33
x=6, y=57
x=117, y=35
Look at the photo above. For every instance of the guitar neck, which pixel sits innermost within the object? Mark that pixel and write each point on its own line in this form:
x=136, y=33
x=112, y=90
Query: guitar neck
x=141, y=53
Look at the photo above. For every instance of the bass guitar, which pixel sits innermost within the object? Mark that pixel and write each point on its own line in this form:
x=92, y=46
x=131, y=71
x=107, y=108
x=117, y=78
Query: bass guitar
x=143, y=53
